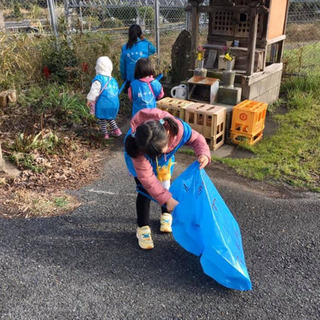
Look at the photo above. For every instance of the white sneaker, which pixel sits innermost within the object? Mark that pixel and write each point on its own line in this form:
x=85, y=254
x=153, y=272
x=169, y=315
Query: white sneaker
x=165, y=222
x=144, y=237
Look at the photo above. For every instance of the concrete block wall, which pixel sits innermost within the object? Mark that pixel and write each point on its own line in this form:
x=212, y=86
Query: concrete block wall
x=265, y=90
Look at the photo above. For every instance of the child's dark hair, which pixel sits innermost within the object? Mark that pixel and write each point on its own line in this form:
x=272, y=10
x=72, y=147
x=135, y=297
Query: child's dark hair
x=150, y=138
x=144, y=68
x=135, y=32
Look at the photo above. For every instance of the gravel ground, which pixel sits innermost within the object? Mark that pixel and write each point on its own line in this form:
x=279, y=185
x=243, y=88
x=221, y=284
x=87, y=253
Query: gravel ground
x=87, y=265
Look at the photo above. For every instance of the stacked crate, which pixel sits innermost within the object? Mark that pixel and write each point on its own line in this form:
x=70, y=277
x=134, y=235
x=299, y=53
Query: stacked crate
x=209, y=120
x=248, y=119
x=174, y=106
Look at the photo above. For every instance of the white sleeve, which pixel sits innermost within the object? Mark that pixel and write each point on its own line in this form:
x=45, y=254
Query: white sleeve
x=94, y=91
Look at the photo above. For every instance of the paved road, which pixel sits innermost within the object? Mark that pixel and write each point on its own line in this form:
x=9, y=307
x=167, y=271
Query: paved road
x=87, y=265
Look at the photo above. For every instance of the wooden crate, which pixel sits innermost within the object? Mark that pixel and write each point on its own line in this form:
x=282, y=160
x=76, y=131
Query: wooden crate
x=249, y=117
x=209, y=120
x=174, y=106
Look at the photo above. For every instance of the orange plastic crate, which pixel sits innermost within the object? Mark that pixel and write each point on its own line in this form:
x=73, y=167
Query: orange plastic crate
x=249, y=117
x=245, y=138
x=209, y=120
x=174, y=106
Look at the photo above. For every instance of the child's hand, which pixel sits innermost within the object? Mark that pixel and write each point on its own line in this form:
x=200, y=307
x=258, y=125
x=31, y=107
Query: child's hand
x=91, y=105
x=171, y=204
x=203, y=161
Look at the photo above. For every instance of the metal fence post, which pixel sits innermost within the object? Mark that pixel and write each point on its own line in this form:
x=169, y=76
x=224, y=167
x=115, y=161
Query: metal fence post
x=68, y=21
x=157, y=27
x=53, y=18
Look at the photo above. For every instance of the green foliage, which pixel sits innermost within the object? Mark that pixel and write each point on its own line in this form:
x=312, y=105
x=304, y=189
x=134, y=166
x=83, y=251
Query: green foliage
x=147, y=14
x=20, y=60
x=62, y=62
x=61, y=201
x=126, y=14
x=26, y=162
x=17, y=11
x=302, y=58
x=111, y=23
x=26, y=143
x=174, y=15
x=25, y=148
x=56, y=102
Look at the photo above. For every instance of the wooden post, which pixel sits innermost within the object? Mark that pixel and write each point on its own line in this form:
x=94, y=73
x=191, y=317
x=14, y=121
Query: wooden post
x=194, y=31
x=252, y=40
x=281, y=44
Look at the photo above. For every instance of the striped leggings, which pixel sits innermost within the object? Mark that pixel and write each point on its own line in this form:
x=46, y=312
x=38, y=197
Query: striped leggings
x=107, y=125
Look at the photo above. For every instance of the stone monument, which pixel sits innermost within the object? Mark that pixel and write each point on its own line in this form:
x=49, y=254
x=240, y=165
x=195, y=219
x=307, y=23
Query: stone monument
x=181, y=57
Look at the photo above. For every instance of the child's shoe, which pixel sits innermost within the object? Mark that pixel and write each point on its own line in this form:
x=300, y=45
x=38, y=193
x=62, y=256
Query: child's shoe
x=165, y=222
x=116, y=133
x=106, y=136
x=144, y=237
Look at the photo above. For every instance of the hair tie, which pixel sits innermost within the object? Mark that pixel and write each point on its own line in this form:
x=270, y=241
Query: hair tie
x=161, y=121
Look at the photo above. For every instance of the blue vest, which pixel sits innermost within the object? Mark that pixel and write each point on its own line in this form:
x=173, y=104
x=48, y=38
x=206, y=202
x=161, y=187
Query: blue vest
x=107, y=105
x=164, y=159
x=142, y=95
x=129, y=57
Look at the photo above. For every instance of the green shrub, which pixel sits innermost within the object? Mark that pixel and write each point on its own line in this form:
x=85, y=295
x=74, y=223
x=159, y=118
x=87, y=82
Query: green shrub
x=111, y=23
x=62, y=62
x=56, y=104
x=147, y=14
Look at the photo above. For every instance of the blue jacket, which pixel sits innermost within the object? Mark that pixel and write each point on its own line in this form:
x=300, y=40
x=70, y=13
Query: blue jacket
x=129, y=57
x=107, y=105
x=144, y=94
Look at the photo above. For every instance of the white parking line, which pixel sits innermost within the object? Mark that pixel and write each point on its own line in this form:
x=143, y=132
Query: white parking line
x=113, y=193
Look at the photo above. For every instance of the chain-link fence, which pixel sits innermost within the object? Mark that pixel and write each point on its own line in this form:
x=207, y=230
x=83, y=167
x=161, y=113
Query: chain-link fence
x=302, y=47
x=112, y=17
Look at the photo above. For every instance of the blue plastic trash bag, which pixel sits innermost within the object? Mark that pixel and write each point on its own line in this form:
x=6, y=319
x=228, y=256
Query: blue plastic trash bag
x=204, y=226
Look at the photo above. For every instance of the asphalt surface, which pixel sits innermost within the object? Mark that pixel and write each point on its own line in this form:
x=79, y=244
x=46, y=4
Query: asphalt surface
x=87, y=265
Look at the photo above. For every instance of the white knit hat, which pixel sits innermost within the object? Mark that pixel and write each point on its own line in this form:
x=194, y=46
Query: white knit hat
x=104, y=66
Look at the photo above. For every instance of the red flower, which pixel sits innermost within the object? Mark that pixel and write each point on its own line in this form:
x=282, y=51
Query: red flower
x=85, y=67
x=46, y=72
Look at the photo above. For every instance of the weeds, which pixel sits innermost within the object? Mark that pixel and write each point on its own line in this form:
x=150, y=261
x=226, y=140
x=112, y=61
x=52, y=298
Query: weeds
x=54, y=104
x=27, y=143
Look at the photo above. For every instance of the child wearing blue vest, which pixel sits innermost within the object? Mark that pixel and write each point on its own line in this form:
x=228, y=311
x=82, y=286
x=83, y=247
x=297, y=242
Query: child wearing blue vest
x=136, y=48
x=144, y=91
x=150, y=145
x=103, y=98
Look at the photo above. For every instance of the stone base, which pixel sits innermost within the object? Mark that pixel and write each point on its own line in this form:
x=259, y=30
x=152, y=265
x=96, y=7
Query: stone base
x=231, y=96
x=265, y=86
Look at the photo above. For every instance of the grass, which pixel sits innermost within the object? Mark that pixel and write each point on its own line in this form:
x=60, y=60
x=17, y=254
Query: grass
x=292, y=155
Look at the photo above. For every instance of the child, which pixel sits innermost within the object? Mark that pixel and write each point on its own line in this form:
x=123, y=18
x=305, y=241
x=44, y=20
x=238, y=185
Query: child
x=137, y=47
x=144, y=90
x=103, y=98
x=150, y=144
